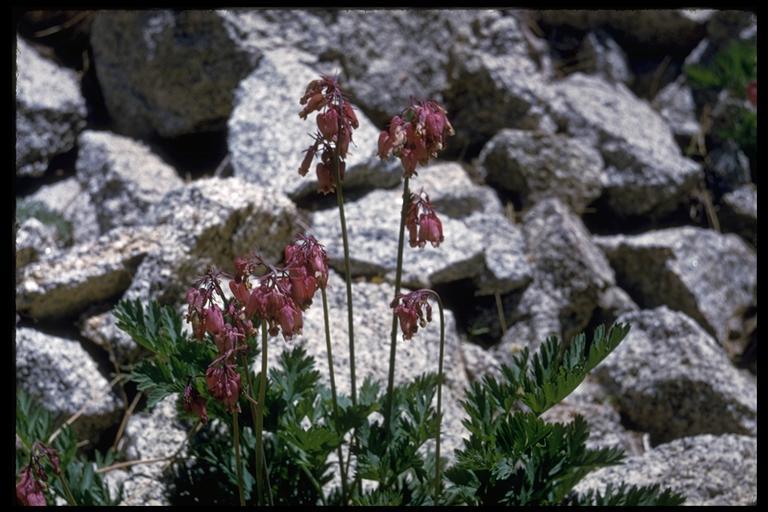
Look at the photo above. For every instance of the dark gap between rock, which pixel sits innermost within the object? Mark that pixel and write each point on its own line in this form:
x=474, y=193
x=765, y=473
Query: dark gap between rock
x=60, y=167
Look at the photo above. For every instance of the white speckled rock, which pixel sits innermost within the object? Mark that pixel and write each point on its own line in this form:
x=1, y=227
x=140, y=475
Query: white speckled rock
x=569, y=275
x=33, y=239
x=605, y=428
x=507, y=265
x=211, y=221
x=453, y=193
x=123, y=177
x=267, y=138
x=372, y=227
x=66, y=281
x=538, y=165
x=63, y=379
x=645, y=173
x=493, y=82
x=673, y=380
x=169, y=72
x=708, y=470
x=738, y=212
x=50, y=111
x=675, y=104
x=151, y=434
x=708, y=276
x=68, y=199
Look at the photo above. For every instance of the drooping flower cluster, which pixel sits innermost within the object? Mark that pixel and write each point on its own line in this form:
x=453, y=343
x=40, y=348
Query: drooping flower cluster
x=422, y=222
x=277, y=297
x=335, y=123
x=416, y=135
x=29, y=489
x=413, y=311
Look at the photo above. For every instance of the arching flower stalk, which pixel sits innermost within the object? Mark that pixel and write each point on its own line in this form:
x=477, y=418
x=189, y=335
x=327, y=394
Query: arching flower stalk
x=414, y=311
x=335, y=121
x=415, y=136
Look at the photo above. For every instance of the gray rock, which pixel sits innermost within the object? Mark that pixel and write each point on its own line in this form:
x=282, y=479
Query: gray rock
x=645, y=173
x=494, y=83
x=101, y=329
x=66, y=282
x=667, y=28
x=385, y=70
x=673, y=380
x=267, y=138
x=453, y=193
x=33, y=239
x=605, y=428
x=708, y=276
x=569, y=275
x=68, y=199
x=479, y=362
x=372, y=227
x=538, y=165
x=50, y=111
x=738, y=212
x=211, y=221
x=601, y=55
x=675, y=104
x=373, y=324
x=725, y=26
x=612, y=303
x=123, y=177
x=727, y=168
x=706, y=469
x=507, y=266
x=154, y=434
x=63, y=379
x=169, y=72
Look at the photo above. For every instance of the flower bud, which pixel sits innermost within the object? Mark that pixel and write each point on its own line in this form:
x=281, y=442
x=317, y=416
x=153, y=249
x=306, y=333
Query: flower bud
x=307, y=161
x=430, y=230
x=290, y=320
x=325, y=183
x=195, y=404
x=214, y=321
x=223, y=383
x=29, y=491
x=328, y=123
x=349, y=113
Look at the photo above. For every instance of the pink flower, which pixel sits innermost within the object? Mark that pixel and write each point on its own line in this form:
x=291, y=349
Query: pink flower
x=308, y=158
x=223, y=383
x=29, y=491
x=413, y=311
x=325, y=184
x=195, y=404
x=214, y=321
x=422, y=222
x=303, y=286
x=328, y=123
x=416, y=136
x=290, y=320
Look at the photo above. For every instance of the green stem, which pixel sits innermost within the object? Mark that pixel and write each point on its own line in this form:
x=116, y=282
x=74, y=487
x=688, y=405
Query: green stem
x=347, y=275
x=67, y=491
x=238, y=462
x=439, y=394
x=251, y=404
x=260, y=413
x=333, y=391
x=393, y=338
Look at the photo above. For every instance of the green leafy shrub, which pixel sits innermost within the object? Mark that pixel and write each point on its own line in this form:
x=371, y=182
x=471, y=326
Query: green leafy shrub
x=511, y=457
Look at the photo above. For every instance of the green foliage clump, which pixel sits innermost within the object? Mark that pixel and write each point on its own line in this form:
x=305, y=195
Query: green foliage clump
x=731, y=69
x=38, y=210
x=35, y=424
x=512, y=456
